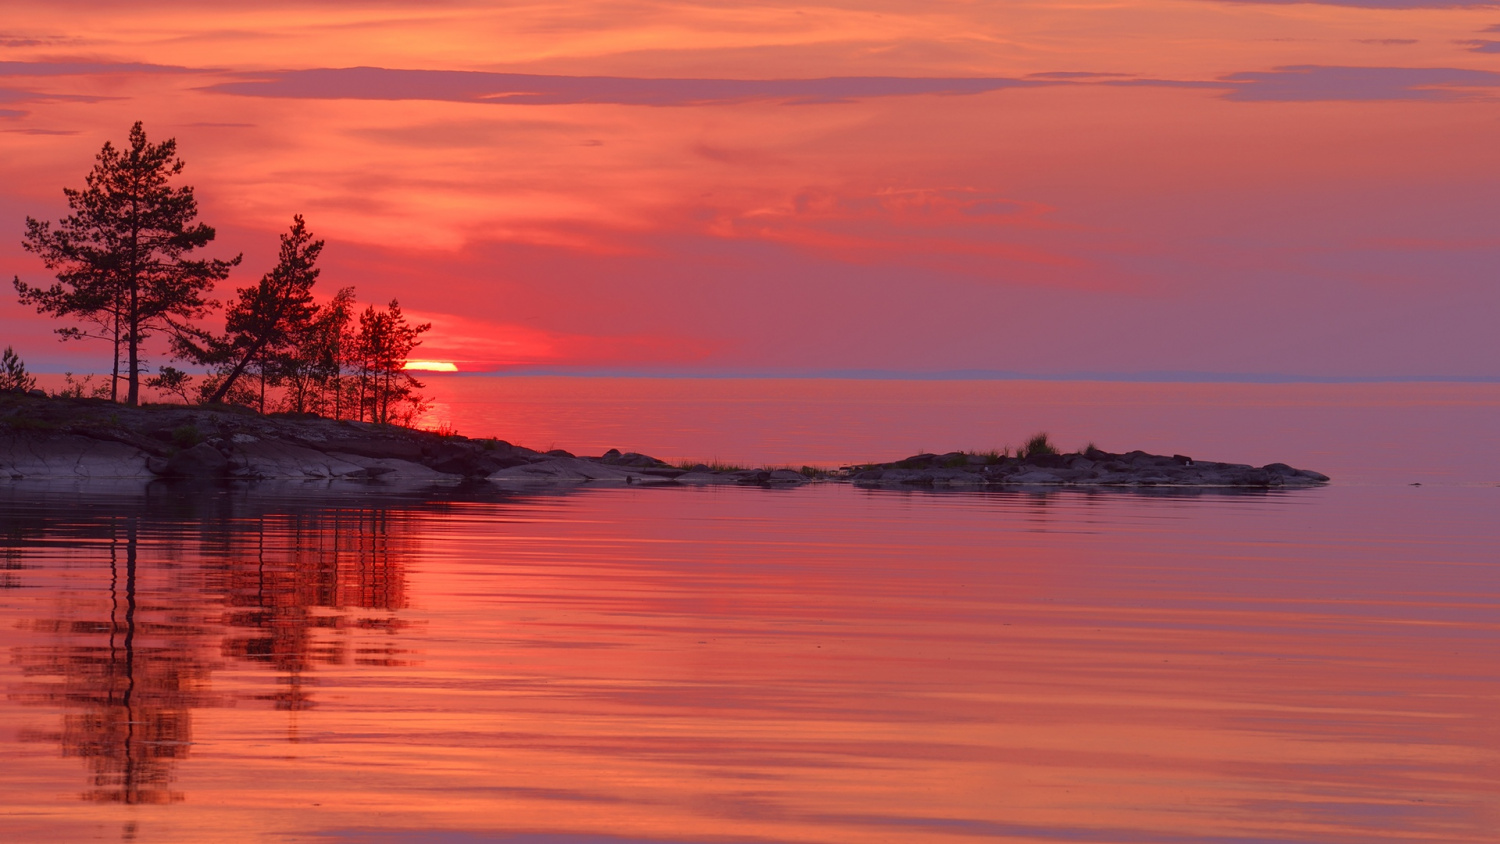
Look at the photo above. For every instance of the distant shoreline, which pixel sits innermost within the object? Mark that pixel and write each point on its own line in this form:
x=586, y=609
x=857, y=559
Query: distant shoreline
x=49, y=438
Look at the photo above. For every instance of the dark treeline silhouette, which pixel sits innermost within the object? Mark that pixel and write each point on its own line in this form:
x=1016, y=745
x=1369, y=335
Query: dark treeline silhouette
x=126, y=270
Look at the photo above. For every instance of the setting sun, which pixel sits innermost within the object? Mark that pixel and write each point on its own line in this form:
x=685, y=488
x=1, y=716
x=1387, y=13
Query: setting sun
x=431, y=366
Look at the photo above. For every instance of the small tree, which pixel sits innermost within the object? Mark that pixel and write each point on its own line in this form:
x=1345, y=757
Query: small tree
x=381, y=349
x=122, y=256
x=13, y=375
x=172, y=380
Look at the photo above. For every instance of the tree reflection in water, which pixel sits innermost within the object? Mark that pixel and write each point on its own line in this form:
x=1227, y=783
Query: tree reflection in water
x=127, y=674
x=309, y=572
x=193, y=576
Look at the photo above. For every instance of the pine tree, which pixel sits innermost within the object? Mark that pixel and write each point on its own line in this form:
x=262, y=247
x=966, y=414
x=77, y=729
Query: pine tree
x=122, y=257
x=312, y=366
x=263, y=326
x=13, y=375
x=384, y=343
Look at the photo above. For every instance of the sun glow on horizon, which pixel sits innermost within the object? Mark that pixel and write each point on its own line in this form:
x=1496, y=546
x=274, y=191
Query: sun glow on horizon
x=431, y=366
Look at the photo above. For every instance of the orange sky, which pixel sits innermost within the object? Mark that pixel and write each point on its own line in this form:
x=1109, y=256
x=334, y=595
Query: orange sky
x=1117, y=188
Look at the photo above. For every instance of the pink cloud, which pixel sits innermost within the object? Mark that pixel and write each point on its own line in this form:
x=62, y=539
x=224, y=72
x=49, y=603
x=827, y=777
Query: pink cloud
x=379, y=83
x=963, y=230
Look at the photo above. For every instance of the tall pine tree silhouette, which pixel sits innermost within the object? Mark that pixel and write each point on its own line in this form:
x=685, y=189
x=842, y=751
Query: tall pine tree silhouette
x=122, y=257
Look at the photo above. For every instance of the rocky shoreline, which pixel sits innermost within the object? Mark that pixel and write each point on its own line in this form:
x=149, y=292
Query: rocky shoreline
x=92, y=439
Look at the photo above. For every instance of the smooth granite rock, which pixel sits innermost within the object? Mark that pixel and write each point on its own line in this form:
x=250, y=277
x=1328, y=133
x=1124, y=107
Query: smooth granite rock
x=28, y=455
x=565, y=470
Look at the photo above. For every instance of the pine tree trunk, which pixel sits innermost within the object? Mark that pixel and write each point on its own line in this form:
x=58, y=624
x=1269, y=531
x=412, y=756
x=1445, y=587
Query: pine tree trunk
x=237, y=371
x=114, y=376
x=133, y=396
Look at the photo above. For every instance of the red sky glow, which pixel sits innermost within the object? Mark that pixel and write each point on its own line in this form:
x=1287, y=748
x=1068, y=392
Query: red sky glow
x=1158, y=186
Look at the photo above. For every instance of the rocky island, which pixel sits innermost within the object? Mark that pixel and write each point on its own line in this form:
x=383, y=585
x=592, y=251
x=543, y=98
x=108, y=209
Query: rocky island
x=50, y=438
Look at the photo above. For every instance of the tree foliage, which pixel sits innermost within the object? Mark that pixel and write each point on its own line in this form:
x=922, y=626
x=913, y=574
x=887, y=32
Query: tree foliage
x=122, y=255
x=263, y=325
x=13, y=374
x=125, y=271
x=312, y=372
x=172, y=380
x=386, y=391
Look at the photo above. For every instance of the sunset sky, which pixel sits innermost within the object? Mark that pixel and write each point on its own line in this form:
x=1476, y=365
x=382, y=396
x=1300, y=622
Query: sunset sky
x=1047, y=188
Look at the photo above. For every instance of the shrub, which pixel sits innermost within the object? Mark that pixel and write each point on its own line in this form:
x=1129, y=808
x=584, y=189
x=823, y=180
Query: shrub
x=1037, y=446
x=80, y=388
x=186, y=436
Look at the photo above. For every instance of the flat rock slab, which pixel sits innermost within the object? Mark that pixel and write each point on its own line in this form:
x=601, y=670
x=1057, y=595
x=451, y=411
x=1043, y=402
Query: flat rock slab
x=67, y=456
x=566, y=470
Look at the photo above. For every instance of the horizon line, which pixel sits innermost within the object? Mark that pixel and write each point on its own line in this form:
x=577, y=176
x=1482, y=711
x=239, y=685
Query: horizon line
x=1148, y=376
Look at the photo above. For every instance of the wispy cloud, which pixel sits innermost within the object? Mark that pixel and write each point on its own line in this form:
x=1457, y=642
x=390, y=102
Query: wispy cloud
x=377, y=83
x=18, y=40
x=14, y=96
x=1314, y=83
x=1075, y=74
x=961, y=231
x=85, y=68
x=1381, y=4
x=1482, y=46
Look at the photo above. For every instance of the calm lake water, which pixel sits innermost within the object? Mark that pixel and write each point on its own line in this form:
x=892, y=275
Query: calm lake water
x=275, y=663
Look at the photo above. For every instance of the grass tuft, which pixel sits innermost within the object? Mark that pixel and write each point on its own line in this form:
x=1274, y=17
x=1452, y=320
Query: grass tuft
x=1037, y=446
x=713, y=465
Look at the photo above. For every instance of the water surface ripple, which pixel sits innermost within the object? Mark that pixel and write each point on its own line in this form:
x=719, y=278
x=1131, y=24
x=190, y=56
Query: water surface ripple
x=822, y=664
